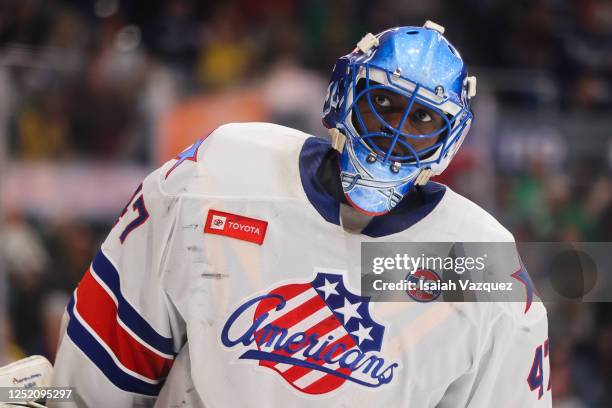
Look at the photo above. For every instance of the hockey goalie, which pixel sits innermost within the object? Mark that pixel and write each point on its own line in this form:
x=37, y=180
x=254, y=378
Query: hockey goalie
x=231, y=278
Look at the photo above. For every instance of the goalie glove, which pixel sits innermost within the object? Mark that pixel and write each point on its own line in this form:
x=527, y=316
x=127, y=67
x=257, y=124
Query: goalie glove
x=34, y=371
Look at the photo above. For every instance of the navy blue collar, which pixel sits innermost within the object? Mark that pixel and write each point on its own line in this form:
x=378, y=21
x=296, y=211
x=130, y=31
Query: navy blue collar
x=415, y=206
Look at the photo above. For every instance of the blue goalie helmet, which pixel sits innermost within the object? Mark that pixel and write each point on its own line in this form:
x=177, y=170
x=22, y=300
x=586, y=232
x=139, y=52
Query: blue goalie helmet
x=397, y=108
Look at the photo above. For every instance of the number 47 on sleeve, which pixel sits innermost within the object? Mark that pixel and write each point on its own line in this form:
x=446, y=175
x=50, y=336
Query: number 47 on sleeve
x=138, y=206
x=536, y=374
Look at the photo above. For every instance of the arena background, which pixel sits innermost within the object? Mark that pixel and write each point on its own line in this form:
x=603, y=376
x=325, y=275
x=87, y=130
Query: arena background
x=95, y=94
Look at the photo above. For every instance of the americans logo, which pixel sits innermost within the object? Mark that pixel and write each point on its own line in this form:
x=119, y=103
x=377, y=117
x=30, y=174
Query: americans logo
x=317, y=336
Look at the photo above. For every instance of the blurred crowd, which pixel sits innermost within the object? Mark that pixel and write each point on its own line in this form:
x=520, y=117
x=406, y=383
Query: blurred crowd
x=122, y=81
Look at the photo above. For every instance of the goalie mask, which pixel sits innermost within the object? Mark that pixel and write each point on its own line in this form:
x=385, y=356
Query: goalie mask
x=397, y=109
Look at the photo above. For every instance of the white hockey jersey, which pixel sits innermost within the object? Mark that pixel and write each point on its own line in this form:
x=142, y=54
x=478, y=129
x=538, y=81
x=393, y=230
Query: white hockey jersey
x=228, y=282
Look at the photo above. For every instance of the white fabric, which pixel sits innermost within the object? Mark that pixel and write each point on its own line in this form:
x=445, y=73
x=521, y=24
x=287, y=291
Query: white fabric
x=187, y=283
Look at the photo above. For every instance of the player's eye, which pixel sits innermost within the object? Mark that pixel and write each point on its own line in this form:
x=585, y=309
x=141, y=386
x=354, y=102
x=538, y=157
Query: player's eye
x=422, y=116
x=382, y=101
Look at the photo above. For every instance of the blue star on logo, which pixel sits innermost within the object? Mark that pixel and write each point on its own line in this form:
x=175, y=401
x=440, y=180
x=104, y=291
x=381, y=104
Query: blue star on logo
x=189, y=154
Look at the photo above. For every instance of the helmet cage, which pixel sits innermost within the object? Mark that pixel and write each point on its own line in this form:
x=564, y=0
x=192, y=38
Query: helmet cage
x=455, y=116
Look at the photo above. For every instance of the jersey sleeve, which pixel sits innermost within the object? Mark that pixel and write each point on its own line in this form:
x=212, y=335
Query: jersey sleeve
x=515, y=366
x=511, y=365
x=121, y=337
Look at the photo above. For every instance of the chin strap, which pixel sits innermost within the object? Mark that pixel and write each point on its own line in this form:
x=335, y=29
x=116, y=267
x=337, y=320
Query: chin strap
x=423, y=177
x=337, y=139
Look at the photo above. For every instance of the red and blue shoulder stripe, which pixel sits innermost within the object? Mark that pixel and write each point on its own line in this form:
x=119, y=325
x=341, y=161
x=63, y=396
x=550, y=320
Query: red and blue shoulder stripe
x=114, y=336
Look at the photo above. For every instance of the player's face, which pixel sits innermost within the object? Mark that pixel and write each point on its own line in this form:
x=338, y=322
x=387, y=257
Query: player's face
x=391, y=106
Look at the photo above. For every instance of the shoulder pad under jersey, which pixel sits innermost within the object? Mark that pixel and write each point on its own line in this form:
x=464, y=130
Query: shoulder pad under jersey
x=237, y=160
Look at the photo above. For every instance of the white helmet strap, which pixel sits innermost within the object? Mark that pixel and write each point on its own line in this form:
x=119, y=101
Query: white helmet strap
x=337, y=139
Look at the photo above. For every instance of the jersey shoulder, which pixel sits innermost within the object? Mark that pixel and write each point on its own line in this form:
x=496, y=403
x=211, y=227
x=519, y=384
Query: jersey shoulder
x=528, y=314
x=245, y=160
x=465, y=221
x=468, y=222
